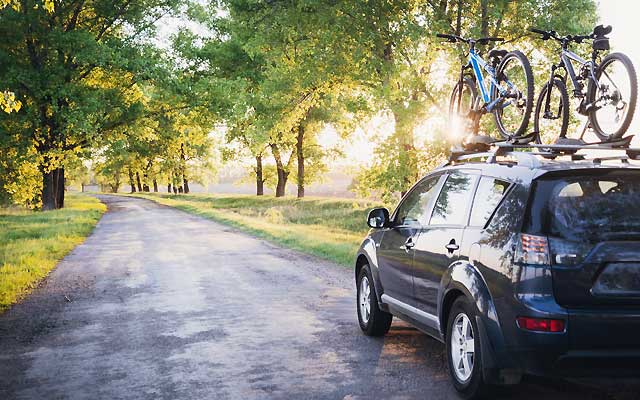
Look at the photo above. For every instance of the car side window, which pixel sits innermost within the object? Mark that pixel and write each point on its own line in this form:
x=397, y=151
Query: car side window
x=488, y=195
x=456, y=193
x=414, y=210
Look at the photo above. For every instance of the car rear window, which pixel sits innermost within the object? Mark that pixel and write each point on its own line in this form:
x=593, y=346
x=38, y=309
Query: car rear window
x=592, y=207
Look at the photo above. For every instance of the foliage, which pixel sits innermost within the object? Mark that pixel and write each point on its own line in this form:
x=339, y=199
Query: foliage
x=74, y=69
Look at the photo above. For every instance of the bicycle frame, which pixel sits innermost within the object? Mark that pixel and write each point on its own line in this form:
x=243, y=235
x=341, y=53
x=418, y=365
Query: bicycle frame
x=567, y=56
x=478, y=64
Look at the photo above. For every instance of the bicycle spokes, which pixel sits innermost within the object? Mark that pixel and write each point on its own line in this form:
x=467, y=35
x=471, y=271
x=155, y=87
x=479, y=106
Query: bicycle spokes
x=612, y=96
x=512, y=108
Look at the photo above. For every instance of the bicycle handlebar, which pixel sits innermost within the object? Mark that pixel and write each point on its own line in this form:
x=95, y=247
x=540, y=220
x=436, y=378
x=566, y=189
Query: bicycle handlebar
x=554, y=35
x=456, y=38
x=451, y=38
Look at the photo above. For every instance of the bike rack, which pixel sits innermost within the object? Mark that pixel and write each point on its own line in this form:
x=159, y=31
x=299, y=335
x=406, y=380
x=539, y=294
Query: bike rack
x=482, y=147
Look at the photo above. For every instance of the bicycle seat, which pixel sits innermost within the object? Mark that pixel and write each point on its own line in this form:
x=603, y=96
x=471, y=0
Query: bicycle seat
x=497, y=53
x=601, y=30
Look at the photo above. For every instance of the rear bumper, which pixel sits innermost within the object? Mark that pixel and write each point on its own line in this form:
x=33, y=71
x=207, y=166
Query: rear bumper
x=596, y=343
x=600, y=363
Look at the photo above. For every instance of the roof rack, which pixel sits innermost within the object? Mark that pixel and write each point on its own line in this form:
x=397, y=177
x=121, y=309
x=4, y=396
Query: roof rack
x=490, y=149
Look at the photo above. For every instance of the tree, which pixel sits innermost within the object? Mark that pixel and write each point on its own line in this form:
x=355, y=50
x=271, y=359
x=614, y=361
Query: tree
x=394, y=42
x=55, y=62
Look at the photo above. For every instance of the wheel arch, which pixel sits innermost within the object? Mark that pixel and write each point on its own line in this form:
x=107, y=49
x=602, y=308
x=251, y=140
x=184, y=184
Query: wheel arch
x=367, y=256
x=462, y=278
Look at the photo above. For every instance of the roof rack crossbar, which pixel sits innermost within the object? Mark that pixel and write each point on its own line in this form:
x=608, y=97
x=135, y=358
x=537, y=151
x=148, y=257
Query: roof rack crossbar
x=550, y=151
x=599, y=160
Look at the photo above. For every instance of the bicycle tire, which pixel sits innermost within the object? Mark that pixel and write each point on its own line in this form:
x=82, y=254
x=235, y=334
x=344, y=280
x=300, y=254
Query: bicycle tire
x=528, y=108
x=563, y=108
x=470, y=84
x=591, y=93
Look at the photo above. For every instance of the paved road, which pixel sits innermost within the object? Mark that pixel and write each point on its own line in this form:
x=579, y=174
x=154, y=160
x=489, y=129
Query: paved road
x=159, y=304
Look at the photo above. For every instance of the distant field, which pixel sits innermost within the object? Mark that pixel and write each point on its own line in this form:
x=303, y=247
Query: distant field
x=326, y=227
x=32, y=243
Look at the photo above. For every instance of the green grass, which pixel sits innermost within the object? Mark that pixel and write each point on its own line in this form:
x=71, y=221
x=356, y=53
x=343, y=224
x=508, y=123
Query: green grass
x=326, y=227
x=32, y=242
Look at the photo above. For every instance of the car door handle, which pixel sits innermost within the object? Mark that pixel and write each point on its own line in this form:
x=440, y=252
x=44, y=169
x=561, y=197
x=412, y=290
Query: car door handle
x=409, y=244
x=452, y=246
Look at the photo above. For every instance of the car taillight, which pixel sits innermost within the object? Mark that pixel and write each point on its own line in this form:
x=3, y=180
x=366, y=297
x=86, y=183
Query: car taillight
x=532, y=249
x=541, y=324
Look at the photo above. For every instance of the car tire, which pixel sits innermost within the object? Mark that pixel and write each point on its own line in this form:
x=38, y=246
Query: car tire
x=373, y=321
x=464, y=353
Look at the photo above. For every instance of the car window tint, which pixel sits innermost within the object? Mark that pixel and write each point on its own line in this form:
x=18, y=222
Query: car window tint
x=451, y=206
x=488, y=195
x=414, y=209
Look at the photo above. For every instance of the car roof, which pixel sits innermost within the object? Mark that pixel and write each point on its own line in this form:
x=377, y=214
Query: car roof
x=513, y=171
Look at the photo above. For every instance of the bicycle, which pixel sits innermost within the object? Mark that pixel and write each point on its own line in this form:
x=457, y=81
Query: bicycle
x=603, y=97
x=509, y=96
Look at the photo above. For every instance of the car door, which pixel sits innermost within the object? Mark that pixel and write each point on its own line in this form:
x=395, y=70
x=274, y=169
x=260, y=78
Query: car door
x=437, y=245
x=395, y=253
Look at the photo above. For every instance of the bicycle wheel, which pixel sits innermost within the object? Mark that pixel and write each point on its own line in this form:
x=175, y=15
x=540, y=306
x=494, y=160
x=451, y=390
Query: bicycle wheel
x=614, y=98
x=513, y=112
x=462, y=104
x=552, y=123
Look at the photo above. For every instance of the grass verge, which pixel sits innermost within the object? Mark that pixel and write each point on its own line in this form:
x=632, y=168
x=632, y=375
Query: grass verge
x=329, y=228
x=32, y=242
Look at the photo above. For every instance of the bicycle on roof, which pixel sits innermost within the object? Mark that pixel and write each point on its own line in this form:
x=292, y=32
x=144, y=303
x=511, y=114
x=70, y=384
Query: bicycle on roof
x=608, y=100
x=508, y=94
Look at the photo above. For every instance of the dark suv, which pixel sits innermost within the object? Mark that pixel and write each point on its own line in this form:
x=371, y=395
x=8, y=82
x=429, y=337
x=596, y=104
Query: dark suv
x=517, y=263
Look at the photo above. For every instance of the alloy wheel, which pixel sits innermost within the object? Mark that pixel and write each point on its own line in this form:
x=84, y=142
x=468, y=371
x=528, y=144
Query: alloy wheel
x=462, y=347
x=364, y=300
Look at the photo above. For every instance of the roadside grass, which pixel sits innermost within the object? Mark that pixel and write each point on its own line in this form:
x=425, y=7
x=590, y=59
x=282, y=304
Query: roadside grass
x=32, y=242
x=329, y=228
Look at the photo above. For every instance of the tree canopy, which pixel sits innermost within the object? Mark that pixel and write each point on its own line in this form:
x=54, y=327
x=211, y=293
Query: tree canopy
x=93, y=81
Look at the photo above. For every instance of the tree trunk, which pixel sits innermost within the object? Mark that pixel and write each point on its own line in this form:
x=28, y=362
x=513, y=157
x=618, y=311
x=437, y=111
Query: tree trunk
x=138, y=181
x=155, y=185
x=48, y=191
x=406, y=150
x=186, y=184
x=459, y=18
x=259, y=178
x=53, y=189
x=281, y=185
x=131, y=182
x=146, y=176
x=484, y=18
x=300, y=158
x=184, y=169
x=169, y=187
x=59, y=176
x=175, y=189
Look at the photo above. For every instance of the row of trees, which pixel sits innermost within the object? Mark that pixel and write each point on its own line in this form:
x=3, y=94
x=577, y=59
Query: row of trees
x=92, y=83
x=299, y=65
x=88, y=80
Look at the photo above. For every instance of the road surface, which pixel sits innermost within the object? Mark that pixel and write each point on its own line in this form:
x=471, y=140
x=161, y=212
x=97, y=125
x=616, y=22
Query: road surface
x=159, y=304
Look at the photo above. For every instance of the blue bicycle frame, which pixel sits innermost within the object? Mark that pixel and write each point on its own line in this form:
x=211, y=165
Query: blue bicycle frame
x=478, y=64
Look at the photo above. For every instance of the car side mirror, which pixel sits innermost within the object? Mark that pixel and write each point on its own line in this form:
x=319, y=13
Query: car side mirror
x=378, y=218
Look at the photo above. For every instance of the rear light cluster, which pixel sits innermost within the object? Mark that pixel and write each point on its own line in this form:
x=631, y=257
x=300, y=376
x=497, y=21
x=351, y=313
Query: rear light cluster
x=538, y=250
x=541, y=324
x=533, y=249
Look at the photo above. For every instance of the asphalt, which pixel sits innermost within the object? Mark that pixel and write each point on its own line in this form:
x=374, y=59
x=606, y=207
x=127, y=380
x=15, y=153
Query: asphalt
x=159, y=304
